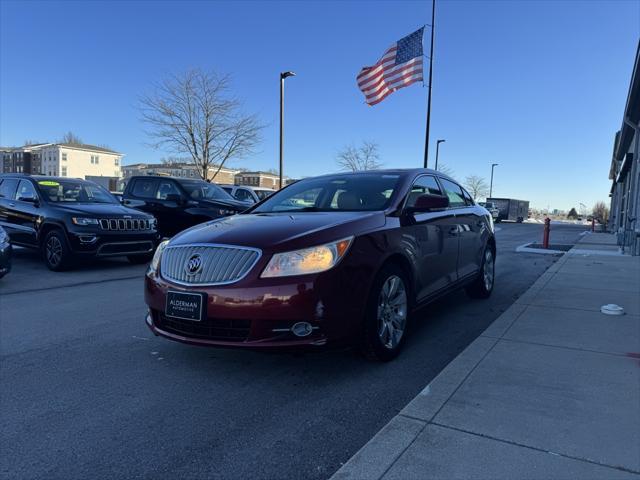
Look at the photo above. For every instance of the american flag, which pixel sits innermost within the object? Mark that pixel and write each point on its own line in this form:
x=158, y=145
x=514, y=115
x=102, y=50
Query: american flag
x=400, y=66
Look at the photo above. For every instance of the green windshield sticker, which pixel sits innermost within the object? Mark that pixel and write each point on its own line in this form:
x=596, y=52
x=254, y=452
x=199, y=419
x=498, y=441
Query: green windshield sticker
x=49, y=183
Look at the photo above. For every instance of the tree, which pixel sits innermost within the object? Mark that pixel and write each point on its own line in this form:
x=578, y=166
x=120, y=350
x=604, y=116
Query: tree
x=601, y=212
x=365, y=157
x=477, y=186
x=71, y=138
x=572, y=213
x=446, y=169
x=193, y=113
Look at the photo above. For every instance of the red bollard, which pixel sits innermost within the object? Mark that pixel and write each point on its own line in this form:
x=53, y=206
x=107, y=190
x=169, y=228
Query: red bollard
x=545, y=235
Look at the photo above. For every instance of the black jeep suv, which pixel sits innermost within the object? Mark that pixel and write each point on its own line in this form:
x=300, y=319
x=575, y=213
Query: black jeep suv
x=69, y=218
x=179, y=203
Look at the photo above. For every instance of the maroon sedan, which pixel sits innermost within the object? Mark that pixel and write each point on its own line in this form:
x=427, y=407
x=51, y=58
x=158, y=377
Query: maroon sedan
x=328, y=260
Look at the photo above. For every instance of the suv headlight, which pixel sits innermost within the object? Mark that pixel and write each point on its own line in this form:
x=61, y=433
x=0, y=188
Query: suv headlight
x=84, y=221
x=157, y=256
x=308, y=260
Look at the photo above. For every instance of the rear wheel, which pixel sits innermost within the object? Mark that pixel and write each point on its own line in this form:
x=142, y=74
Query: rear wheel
x=140, y=259
x=386, y=317
x=56, y=252
x=482, y=286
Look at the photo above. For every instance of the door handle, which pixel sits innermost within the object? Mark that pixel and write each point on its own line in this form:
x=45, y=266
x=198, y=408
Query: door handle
x=453, y=231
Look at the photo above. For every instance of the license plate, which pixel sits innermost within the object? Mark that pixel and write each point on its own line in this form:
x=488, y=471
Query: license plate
x=186, y=306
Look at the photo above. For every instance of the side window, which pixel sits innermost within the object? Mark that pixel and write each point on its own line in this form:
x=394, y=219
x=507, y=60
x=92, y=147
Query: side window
x=243, y=195
x=25, y=190
x=467, y=197
x=165, y=188
x=454, y=192
x=144, y=188
x=8, y=187
x=422, y=186
x=227, y=189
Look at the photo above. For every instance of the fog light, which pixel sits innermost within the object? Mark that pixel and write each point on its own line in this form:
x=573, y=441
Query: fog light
x=302, y=329
x=88, y=238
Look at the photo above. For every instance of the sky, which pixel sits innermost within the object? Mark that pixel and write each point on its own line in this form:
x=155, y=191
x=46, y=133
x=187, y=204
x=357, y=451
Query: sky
x=538, y=87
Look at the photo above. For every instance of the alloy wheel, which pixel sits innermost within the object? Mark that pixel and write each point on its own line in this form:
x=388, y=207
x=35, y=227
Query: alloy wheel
x=489, y=270
x=54, y=250
x=392, y=312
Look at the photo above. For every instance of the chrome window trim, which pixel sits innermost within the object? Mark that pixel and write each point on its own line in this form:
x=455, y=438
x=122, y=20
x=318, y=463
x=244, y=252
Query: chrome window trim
x=219, y=245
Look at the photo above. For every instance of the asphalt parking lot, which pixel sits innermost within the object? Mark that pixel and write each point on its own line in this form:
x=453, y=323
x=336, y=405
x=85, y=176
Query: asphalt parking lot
x=88, y=391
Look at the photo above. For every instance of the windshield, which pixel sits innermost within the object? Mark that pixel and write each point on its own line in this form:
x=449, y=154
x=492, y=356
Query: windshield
x=205, y=191
x=74, y=191
x=348, y=193
x=262, y=194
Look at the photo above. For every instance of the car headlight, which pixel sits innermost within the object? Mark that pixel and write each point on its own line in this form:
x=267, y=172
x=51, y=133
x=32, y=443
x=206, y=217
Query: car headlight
x=157, y=256
x=84, y=221
x=308, y=260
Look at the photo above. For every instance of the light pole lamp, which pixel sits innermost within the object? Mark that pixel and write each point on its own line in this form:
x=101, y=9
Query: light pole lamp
x=493, y=165
x=283, y=75
x=438, y=149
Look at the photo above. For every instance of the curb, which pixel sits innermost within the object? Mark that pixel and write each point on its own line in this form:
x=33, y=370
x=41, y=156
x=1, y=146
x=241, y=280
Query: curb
x=398, y=435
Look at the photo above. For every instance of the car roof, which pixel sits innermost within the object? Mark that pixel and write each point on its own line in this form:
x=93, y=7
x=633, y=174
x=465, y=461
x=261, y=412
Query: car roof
x=38, y=178
x=405, y=172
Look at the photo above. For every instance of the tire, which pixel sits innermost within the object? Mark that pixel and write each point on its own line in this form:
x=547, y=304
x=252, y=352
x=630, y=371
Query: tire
x=482, y=286
x=387, y=313
x=140, y=259
x=56, y=251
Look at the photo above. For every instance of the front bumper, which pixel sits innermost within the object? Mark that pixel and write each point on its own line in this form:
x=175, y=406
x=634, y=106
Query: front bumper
x=259, y=313
x=102, y=244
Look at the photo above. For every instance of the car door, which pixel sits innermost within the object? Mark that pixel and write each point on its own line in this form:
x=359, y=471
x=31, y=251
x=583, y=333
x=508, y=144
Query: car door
x=141, y=195
x=470, y=227
x=171, y=207
x=24, y=212
x=8, y=188
x=435, y=235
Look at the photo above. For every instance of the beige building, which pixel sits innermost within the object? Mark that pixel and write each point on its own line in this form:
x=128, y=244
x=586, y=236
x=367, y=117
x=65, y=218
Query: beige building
x=258, y=179
x=184, y=170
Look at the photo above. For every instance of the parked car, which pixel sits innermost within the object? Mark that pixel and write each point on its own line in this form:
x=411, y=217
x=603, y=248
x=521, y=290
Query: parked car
x=179, y=203
x=510, y=209
x=328, y=260
x=245, y=193
x=5, y=253
x=491, y=208
x=70, y=218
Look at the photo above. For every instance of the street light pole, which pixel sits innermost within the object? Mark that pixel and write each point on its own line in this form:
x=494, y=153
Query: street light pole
x=438, y=149
x=283, y=75
x=493, y=165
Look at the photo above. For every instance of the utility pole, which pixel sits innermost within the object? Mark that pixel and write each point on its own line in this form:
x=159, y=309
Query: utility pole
x=493, y=165
x=283, y=75
x=433, y=28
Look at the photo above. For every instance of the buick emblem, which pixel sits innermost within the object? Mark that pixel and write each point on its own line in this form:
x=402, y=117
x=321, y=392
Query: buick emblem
x=194, y=264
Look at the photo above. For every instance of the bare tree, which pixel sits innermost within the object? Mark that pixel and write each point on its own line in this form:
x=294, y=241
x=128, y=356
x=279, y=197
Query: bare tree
x=365, y=157
x=71, y=138
x=601, y=212
x=477, y=186
x=193, y=113
x=446, y=169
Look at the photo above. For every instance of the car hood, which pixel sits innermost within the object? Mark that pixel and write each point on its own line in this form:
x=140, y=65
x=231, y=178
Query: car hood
x=100, y=210
x=235, y=204
x=275, y=231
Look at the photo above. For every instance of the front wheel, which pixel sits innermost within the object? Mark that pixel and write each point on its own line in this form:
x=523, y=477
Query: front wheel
x=386, y=316
x=482, y=286
x=56, y=252
x=140, y=259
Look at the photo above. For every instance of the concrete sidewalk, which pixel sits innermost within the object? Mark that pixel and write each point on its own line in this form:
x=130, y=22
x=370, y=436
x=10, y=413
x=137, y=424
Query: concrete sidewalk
x=550, y=390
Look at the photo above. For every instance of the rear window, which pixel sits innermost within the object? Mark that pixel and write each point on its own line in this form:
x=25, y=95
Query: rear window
x=144, y=188
x=8, y=187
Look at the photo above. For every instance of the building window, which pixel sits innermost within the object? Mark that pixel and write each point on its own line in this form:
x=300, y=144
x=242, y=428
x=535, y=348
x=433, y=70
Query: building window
x=116, y=162
x=95, y=159
x=64, y=171
x=64, y=157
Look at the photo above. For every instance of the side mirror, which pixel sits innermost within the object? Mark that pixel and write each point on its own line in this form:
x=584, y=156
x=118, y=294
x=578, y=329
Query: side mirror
x=427, y=202
x=33, y=200
x=174, y=197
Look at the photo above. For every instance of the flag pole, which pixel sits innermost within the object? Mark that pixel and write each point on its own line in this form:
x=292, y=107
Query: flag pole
x=426, y=140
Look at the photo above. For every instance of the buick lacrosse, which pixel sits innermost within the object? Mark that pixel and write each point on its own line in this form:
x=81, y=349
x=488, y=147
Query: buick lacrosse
x=335, y=259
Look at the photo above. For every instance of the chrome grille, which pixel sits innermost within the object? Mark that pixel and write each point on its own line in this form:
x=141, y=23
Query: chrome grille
x=126, y=224
x=221, y=264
